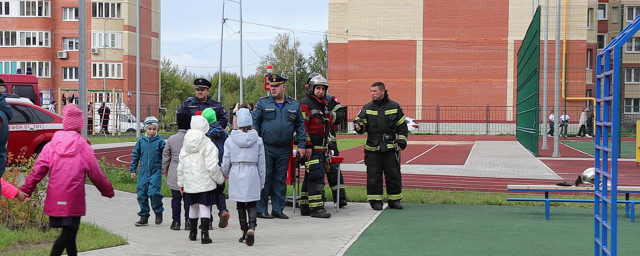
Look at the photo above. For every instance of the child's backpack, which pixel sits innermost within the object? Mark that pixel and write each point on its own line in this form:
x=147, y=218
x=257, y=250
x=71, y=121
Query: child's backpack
x=218, y=136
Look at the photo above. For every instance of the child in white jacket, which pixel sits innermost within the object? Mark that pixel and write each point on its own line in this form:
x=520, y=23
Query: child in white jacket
x=244, y=164
x=198, y=175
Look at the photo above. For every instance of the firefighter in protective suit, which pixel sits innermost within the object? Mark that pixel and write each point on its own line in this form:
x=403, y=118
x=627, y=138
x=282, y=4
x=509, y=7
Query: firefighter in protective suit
x=387, y=132
x=338, y=114
x=318, y=123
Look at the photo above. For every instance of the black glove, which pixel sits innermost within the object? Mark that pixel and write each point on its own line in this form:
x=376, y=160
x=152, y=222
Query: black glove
x=402, y=144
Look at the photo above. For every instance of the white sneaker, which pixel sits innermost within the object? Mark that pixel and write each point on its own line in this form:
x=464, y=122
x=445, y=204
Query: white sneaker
x=588, y=136
x=549, y=136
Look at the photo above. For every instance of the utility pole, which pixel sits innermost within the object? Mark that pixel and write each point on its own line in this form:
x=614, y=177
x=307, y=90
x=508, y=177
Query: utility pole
x=82, y=60
x=221, y=42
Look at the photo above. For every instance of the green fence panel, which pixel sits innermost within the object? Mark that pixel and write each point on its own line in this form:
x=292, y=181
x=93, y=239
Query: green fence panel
x=528, y=92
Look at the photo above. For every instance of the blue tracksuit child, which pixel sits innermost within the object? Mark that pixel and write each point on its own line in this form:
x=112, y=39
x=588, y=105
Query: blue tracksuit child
x=218, y=136
x=148, y=153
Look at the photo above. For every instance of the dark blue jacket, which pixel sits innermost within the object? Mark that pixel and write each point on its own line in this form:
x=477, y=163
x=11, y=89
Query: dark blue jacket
x=193, y=105
x=276, y=125
x=5, y=116
x=147, y=153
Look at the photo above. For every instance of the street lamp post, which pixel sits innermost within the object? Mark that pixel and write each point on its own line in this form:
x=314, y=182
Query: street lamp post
x=104, y=53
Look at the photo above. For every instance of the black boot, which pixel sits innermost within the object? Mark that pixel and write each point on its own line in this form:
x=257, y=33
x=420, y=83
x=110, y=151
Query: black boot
x=193, y=231
x=320, y=212
x=395, y=204
x=204, y=235
x=242, y=217
x=187, y=225
x=376, y=205
x=251, y=233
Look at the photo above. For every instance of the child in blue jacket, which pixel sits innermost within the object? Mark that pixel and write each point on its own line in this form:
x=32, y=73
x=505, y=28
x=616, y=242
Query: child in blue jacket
x=218, y=136
x=148, y=153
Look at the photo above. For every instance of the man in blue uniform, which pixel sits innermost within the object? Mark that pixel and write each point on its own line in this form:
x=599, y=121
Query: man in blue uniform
x=198, y=103
x=276, y=117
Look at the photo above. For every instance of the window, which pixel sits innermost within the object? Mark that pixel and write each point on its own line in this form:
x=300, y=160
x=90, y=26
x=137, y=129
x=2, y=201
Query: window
x=633, y=45
x=8, y=67
x=35, y=8
x=41, y=69
x=34, y=38
x=4, y=8
x=112, y=70
x=21, y=114
x=69, y=73
x=106, y=10
x=632, y=13
x=70, y=44
x=589, y=58
x=590, y=18
x=602, y=11
x=113, y=40
x=8, y=38
x=70, y=13
x=632, y=75
x=24, y=91
x=631, y=105
x=614, y=14
x=602, y=41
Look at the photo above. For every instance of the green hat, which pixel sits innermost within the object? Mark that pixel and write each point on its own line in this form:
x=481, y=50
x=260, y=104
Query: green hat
x=210, y=115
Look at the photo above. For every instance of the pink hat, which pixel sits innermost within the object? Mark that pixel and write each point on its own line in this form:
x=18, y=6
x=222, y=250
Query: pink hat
x=73, y=119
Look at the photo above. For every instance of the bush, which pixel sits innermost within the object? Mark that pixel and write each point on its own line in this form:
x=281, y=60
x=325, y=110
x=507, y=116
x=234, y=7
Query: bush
x=17, y=215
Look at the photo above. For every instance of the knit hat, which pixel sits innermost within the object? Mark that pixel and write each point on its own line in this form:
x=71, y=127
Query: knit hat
x=244, y=117
x=210, y=115
x=73, y=119
x=183, y=120
x=151, y=120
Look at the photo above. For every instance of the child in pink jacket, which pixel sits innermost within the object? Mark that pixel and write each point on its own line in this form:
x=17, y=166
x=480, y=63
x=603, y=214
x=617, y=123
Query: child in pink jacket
x=68, y=159
x=12, y=192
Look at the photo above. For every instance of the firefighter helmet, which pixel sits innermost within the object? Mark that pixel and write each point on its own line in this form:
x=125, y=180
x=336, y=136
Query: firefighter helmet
x=314, y=80
x=587, y=177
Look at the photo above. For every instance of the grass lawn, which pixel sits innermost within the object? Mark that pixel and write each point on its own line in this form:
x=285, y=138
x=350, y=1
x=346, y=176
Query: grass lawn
x=39, y=242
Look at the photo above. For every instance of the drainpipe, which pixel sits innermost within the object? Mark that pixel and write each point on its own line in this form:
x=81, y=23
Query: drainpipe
x=564, y=61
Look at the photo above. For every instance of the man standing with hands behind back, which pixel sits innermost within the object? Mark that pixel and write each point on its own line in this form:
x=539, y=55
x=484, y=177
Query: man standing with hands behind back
x=276, y=118
x=387, y=132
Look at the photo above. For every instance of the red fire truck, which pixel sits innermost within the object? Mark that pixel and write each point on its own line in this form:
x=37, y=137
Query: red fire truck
x=23, y=85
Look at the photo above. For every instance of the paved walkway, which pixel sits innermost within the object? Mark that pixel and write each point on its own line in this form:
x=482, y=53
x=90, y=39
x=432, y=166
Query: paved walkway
x=295, y=236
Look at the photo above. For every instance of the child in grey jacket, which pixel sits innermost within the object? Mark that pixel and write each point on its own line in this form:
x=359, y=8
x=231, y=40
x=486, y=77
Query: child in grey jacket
x=170, y=159
x=244, y=164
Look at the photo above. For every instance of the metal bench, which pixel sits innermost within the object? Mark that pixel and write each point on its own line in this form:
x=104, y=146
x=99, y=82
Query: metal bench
x=626, y=190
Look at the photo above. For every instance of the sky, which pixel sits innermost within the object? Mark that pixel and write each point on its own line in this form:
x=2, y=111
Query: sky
x=190, y=32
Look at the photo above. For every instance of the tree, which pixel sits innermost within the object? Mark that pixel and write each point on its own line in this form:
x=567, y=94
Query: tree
x=318, y=61
x=176, y=83
x=282, y=59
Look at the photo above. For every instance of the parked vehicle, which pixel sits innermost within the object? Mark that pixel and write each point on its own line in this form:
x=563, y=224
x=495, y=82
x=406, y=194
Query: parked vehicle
x=23, y=85
x=413, y=126
x=30, y=128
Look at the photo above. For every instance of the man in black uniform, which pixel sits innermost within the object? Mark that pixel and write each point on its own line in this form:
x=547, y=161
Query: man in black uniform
x=387, y=132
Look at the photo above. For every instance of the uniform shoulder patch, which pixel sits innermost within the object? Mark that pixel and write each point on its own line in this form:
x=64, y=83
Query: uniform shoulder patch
x=336, y=100
x=292, y=99
x=264, y=97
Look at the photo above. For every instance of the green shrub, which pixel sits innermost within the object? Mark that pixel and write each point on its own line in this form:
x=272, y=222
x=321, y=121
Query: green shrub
x=17, y=215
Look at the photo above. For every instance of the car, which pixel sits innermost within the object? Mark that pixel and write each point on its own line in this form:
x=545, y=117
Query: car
x=413, y=126
x=30, y=128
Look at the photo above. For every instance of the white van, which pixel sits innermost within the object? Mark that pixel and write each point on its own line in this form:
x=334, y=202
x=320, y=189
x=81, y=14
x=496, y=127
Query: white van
x=127, y=122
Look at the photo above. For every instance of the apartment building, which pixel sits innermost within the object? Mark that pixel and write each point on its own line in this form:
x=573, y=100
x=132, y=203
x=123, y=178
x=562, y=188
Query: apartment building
x=464, y=53
x=43, y=36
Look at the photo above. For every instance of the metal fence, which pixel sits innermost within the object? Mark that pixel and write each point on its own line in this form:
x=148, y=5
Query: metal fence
x=464, y=120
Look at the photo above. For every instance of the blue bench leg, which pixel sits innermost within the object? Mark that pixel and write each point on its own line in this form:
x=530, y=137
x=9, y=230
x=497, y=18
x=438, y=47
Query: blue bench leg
x=626, y=205
x=633, y=212
x=546, y=208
